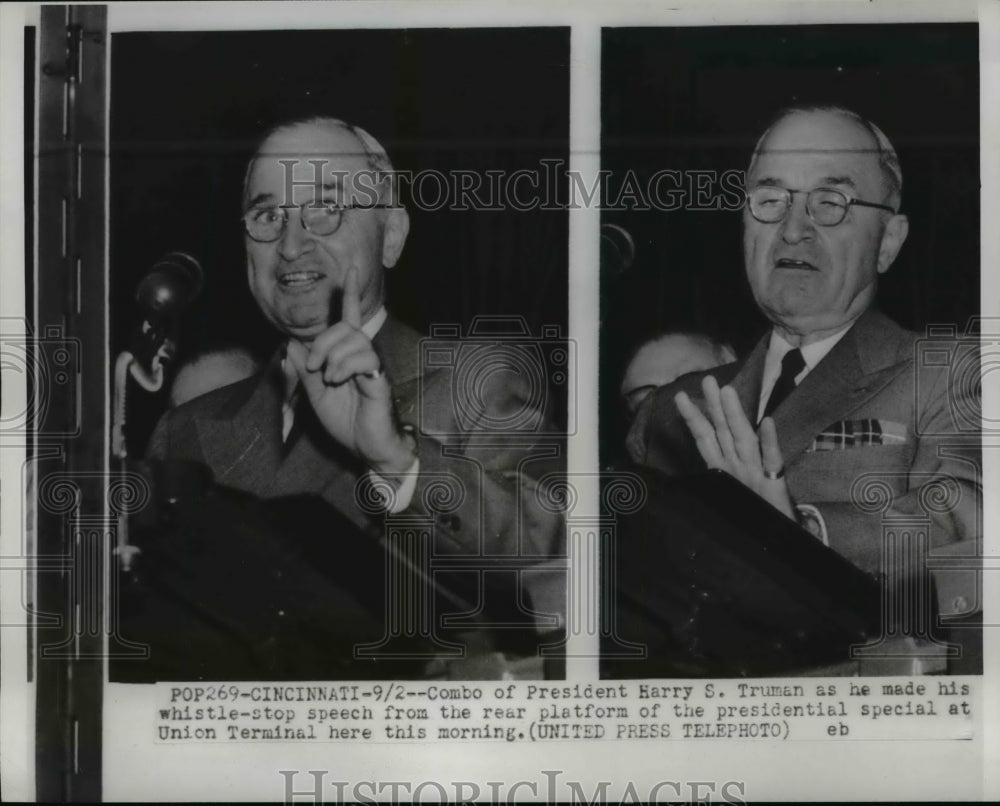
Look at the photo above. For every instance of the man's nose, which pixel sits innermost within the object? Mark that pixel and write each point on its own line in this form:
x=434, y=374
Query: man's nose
x=797, y=226
x=295, y=239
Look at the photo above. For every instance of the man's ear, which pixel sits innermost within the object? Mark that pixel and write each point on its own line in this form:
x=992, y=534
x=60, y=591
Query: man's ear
x=892, y=241
x=397, y=227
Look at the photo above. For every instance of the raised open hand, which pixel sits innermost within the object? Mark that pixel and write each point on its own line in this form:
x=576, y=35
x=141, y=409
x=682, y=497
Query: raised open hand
x=728, y=442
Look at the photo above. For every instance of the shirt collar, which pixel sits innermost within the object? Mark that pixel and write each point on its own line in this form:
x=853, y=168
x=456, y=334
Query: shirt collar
x=374, y=324
x=812, y=353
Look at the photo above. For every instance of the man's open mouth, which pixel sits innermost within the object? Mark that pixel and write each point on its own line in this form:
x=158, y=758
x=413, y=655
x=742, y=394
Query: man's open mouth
x=791, y=263
x=294, y=279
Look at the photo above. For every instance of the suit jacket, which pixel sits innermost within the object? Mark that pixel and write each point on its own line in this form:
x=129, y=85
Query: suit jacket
x=478, y=484
x=873, y=373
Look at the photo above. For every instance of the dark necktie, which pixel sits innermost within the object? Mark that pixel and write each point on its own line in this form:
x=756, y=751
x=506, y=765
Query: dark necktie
x=791, y=365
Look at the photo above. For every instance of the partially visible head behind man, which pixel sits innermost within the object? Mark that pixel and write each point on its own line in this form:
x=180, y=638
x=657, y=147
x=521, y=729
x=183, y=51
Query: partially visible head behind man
x=663, y=359
x=822, y=223
x=319, y=199
x=208, y=370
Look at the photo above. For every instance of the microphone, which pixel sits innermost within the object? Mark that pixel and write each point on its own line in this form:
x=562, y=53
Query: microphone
x=617, y=249
x=167, y=289
x=170, y=286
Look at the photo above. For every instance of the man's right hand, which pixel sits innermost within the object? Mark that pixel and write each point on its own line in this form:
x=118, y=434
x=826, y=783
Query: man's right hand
x=341, y=374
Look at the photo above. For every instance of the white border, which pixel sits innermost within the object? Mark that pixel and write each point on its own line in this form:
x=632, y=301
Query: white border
x=863, y=770
x=577, y=13
x=17, y=700
x=989, y=172
x=584, y=293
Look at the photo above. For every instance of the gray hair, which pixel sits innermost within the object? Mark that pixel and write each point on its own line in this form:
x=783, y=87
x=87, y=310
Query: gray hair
x=372, y=150
x=887, y=159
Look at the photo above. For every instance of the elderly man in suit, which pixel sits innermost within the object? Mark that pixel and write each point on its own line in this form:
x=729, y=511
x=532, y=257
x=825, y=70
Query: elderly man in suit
x=346, y=410
x=834, y=394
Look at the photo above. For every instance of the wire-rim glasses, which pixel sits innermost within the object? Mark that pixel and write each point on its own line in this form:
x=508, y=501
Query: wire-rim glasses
x=266, y=224
x=825, y=206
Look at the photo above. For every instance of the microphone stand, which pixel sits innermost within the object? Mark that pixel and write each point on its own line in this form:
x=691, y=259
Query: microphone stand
x=152, y=381
x=172, y=284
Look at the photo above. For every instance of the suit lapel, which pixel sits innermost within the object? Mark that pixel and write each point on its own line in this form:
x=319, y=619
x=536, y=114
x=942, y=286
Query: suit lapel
x=399, y=348
x=858, y=367
x=747, y=380
x=315, y=463
x=242, y=444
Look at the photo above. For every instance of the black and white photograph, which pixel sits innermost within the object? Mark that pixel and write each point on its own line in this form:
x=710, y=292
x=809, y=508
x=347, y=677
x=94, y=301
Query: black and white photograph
x=336, y=354
x=790, y=348
x=420, y=401
x=387, y=402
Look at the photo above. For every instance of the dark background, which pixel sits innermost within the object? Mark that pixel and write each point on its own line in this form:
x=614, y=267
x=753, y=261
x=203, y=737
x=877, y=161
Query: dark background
x=698, y=98
x=188, y=108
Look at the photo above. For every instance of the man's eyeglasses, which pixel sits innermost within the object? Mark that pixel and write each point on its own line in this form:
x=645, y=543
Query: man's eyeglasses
x=267, y=224
x=825, y=206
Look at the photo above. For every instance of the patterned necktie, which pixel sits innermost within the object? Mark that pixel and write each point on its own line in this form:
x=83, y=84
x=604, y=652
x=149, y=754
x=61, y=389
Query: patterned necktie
x=791, y=365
